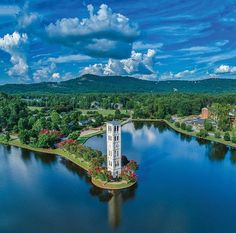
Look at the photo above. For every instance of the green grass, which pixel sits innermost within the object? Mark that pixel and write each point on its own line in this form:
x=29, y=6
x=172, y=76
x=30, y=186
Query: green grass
x=112, y=185
x=104, y=112
x=83, y=139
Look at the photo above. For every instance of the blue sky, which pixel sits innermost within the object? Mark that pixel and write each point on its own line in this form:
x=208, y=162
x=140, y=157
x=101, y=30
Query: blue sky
x=156, y=40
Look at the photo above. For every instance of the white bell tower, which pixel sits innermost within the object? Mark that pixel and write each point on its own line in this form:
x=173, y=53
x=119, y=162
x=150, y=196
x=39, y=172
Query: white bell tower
x=114, y=148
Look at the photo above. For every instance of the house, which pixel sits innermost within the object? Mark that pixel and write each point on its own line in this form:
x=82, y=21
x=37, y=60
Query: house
x=95, y=105
x=205, y=113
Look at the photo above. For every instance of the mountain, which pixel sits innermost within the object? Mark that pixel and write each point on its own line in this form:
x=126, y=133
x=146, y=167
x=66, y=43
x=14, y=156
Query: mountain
x=91, y=83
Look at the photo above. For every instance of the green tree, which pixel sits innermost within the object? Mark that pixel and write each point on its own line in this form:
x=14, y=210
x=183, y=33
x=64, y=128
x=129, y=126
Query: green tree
x=189, y=128
x=8, y=137
x=227, y=136
x=217, y=134
x=24, y=136
x=208, y=125
x=183, y=126
x=177, y=124
x=74, y=135
x=202, y=133
x=56, y=120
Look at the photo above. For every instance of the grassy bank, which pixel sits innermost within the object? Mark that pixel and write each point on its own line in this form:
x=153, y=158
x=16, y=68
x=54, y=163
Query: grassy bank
x=68, y=156
x=193, y=134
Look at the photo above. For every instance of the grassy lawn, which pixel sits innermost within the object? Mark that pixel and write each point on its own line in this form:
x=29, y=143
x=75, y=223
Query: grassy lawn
x=83, y=139
x=112, y=185
x=104, y=112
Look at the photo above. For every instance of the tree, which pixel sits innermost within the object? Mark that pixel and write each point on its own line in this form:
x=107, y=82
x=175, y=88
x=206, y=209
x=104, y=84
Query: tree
x=24, y=136
x=227, y=136
x=177, y=124
x=183, y=126
x=189, y=128
x=217, y=134
x=208, y=125
x=55, y=117
x=202, y=133
x=8, y=137
x=233, y=139
x=74, y=135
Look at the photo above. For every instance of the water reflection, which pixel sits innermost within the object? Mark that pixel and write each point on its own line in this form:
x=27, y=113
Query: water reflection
x=233, y=156
x=178, y=178
x=216, y=151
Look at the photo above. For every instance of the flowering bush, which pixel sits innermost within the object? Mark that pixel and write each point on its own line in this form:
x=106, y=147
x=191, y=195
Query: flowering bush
x=128, y=174
x=67, y=141
x=132, y=165
x=51, y=132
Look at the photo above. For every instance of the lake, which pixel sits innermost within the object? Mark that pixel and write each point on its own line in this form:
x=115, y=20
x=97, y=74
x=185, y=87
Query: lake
x=185, y=185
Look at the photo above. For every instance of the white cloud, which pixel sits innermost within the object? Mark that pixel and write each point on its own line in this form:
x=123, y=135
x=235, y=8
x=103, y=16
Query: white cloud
x=222, y=43
x=103, y=33
x=56, y=76
x=200, y=50
x=9, y=10
x=103, y=22
x=26, y=18
x=225, y=69
x=140, y=45
x=137, y=65
x=69, y=58
x=44, y=73
x=184, y=73
x=13, y=45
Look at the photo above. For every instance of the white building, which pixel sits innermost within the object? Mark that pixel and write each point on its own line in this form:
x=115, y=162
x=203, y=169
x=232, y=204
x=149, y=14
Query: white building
x=114, y=148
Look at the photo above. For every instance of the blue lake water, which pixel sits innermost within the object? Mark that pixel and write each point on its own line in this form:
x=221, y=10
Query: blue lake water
x=185, y=185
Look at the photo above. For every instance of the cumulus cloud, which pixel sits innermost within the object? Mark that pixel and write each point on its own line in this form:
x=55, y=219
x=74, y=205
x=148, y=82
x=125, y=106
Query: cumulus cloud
x=184, y=73
x=13, y=45
x=138, y=65
x=102, y=34
x=225, y=69
x=45, y=72
x=56, y=76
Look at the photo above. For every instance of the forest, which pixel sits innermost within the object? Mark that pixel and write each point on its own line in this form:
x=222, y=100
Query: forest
x=41, y=120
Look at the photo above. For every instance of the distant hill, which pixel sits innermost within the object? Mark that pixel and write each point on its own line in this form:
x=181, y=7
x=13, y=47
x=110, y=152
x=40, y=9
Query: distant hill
x=91, y=83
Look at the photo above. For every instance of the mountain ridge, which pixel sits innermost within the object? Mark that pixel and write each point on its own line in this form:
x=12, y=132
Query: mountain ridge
x=113, y=84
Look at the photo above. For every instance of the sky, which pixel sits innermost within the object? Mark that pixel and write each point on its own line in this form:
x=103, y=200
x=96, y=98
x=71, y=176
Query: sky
x=56, y=40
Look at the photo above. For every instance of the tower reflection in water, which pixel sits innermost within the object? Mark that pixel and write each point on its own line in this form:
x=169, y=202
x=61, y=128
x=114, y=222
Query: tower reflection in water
x=115, y=205
x=114, y=209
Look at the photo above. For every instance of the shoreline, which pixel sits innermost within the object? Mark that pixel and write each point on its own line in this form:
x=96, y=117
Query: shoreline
x=192, y=134
x=70, y=157
x=85, y=166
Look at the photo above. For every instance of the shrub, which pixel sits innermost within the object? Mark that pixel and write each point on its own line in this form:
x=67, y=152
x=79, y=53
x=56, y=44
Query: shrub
x=189, y=128
x=233, y=139
x=177, y=124
x=202, y=133
x=217, y=134
x=74, y=135
x=183, y=126
x=208, y=125
x=227, y=136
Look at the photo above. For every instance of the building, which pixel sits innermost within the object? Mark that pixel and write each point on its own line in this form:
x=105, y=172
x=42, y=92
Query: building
x=205, y=113
x=231, y=117
x=114, y=148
